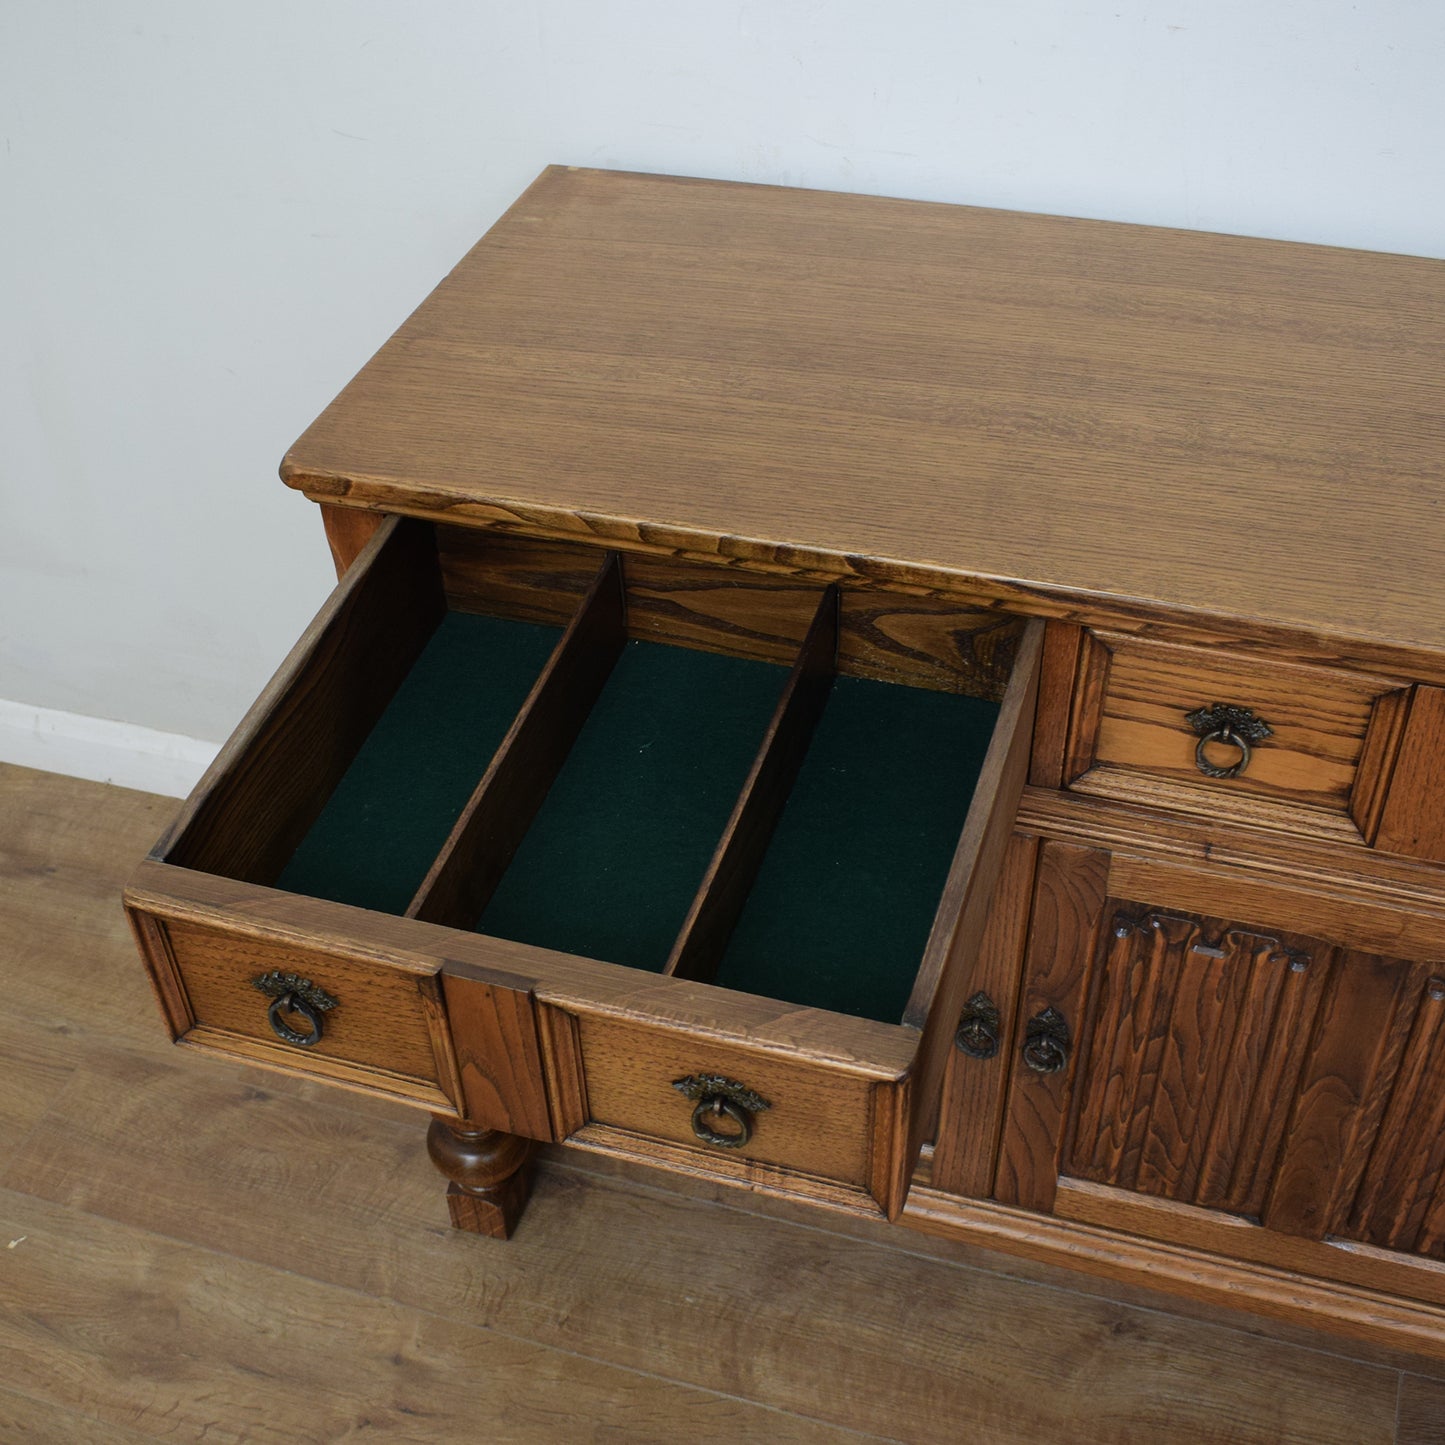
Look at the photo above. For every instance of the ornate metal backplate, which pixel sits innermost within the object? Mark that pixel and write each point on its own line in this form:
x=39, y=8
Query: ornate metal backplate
x=277, y=985
x=714, y=1086
x=1227, y=720
x=978, y=1027
x=1046, y=1042
x=721, y=1098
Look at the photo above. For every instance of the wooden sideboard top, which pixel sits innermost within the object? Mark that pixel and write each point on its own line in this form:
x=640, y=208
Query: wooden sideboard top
x=1075, y=417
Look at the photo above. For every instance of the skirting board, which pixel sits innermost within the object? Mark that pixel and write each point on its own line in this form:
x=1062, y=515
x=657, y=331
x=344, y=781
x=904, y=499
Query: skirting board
x=101, y=750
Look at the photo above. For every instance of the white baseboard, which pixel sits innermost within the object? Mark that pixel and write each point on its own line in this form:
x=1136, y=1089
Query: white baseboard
x=104, y=751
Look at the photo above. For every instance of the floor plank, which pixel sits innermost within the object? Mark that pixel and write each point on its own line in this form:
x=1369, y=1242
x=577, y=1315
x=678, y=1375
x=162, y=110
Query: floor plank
x=34, y=1072
x=724, y=1300
x=1422, y=1412
x=210, y=1249
x=42, y=1422
x=176, y=1341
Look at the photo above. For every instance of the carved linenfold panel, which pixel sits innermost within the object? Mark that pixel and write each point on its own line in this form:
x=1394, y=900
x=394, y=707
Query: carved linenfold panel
x=1194, y=1030
x=1400, y=1202
x=1267, y=1076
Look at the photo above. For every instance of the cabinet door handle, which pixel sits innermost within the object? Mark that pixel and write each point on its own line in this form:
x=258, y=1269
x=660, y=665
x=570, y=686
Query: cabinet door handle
x=978, y=1027
x=1046, y=1042
x=293, y=996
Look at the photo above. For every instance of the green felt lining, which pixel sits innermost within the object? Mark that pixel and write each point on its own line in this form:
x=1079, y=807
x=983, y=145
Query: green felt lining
x=842, y=905
x=845, y=897
x=612, y=860
x=386, y=821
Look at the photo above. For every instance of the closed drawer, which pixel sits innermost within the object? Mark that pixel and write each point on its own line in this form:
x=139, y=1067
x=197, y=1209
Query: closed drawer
x=660, y=857
x=1162, y=723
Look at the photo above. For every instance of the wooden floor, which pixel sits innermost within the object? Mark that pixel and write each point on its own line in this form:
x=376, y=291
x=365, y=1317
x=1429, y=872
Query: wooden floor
x=193, y=1251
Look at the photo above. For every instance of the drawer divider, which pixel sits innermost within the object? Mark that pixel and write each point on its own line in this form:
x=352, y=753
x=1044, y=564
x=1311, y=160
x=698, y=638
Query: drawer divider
x=724, y=889
x=490, y=827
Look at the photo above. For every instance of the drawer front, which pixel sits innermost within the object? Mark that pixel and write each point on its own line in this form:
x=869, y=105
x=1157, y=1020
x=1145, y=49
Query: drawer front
x=822, y=1125
x=1147, y=728
x=377, y=1027
x=815, y=1122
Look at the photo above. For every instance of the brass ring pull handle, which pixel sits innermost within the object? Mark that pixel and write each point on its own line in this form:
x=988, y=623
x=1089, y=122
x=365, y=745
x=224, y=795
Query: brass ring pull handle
x=1226, y=725
x=978, y=1027
x=289, y=1003
x=717, y=1106
x=721, y=1098
x=1046, y=1042
x=291, y=995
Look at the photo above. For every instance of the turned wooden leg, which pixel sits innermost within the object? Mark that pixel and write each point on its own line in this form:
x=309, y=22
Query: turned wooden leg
x=490, y=1174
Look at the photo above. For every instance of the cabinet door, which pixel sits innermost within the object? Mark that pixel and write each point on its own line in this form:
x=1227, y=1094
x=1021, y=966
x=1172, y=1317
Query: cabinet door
x=1225, y=1065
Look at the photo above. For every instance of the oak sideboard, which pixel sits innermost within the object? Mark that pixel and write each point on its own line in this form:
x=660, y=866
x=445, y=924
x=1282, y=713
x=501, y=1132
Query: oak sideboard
x=930, y=711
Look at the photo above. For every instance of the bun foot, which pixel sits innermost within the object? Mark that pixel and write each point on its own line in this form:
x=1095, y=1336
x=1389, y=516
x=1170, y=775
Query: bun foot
x=490, y=1174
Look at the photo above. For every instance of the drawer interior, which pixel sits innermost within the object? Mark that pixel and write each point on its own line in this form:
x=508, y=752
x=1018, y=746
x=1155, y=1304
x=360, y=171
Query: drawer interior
x=614, y=857
x=678, y=767
x=850, y=881
x=380, y=830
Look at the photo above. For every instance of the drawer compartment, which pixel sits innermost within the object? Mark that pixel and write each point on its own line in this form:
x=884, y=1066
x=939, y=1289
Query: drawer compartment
x=687, y=823
x=1146, y=728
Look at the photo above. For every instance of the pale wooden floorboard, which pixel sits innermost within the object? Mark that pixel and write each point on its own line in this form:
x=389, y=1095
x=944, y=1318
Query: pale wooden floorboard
x=213, y=1248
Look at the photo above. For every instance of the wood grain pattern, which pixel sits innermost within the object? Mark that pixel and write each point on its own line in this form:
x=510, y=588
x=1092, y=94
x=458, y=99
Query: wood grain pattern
x=163, y=970
x=121, y=1312
x=516, y=577
x=491, y=825
x=1057, y=673
x=818, y=1123
x=963, y=912
x=347, y=533
x=1041, y=393
x=1378, y=758
x=1358, y=1040
x=1400, y=1203
x=1341, y=879
x=265, y=788
x=1091, y=684
x=1232, y=1237
x=1068, y=899
x=723, y=891
x=737, y=1177
x=1354, y=1311
x=1421, y=1418
x=910, y=637
x=929, y=642
x=381, y=1020
x=966, y=1142
x=560, y=1038
x=857, y=1045
x=1413, y=821
x=489, y=1175
x=1121, y=1043
x=1196, y=1033
x=1319, y=720
x=1267, y=1075
x=310, y=1225
x=499, y=1059
x=1370, y=925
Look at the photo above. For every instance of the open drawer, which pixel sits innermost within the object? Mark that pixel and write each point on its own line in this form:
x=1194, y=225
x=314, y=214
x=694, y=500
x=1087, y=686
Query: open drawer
x=669, y=859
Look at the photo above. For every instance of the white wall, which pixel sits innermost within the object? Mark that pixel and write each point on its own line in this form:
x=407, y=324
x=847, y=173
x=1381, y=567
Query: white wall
x=211, y=214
